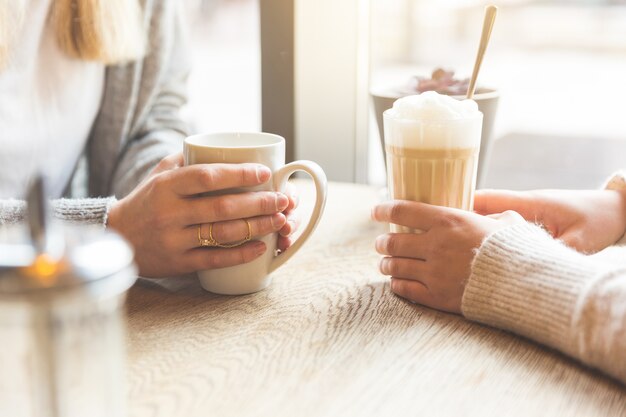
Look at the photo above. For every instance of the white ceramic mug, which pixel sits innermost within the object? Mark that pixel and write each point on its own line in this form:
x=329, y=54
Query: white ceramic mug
x=269, y=150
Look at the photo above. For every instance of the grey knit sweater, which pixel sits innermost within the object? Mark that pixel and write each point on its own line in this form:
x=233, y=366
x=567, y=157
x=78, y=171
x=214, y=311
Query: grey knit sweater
x=138, y=122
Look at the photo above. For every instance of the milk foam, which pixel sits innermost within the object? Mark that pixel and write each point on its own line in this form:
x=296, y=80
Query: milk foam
x=432, y=120
x=433, y=106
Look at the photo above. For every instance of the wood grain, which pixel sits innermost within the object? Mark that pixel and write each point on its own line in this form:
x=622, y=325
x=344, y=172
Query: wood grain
x=329, y=339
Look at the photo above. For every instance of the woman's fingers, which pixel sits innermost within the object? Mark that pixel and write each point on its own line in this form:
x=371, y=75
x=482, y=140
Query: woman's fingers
x=232, y=231
x=420, y=293
x=232, y=206
x=405, y=245
x=284, y=243
x=237, y=230
x=293, y=216
x=292, y=193
x=412, y=290
x=202, y=178
x=406, y=268
x=292, y=224
x=412, y=214
x=212, y=258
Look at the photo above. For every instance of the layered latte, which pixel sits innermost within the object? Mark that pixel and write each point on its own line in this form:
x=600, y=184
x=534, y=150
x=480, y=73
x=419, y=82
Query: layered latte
x=432, y=143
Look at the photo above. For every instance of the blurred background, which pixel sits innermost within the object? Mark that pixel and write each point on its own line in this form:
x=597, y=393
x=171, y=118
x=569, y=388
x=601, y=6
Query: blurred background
x=559, y=67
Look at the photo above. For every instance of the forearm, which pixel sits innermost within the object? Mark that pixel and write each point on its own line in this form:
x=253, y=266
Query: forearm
x=83, y=211
x=524, y=281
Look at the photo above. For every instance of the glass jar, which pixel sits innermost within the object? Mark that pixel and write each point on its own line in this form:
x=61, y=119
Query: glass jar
x=62, y=328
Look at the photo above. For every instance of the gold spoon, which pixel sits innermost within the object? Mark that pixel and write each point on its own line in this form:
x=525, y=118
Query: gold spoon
x=490, y=18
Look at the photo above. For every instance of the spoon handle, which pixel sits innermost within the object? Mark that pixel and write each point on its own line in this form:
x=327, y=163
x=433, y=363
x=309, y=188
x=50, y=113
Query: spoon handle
x=490, y=18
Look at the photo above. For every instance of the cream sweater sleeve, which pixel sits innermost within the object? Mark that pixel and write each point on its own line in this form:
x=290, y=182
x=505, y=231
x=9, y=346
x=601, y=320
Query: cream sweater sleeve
x=526, y=282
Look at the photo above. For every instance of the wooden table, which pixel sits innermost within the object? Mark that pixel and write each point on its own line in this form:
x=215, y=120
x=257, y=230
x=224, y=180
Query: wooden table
x=328, y=338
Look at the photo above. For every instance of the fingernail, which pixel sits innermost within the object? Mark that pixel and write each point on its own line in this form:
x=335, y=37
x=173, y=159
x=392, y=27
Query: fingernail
x=394, y=285
x=263, y=173
x=373, y=213
x=384, y=263
x=290, y=230
x=281, y=202
x=379, y=243
x=278, y=220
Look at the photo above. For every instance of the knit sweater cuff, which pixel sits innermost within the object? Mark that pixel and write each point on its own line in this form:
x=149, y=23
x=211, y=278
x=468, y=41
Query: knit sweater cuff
x=515, y=286
x=83, y=211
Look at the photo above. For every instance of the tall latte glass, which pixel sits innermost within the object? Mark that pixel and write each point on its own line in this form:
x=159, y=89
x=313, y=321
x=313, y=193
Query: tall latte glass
x=432, y=143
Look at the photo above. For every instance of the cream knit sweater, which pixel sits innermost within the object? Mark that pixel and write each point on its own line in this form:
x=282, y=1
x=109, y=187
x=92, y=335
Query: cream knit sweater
x=526, y=282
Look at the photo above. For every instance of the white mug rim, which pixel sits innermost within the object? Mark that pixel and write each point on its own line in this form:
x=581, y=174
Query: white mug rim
x=194, y=140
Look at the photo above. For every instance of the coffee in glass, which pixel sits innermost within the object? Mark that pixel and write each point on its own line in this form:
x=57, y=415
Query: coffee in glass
x=432, y=143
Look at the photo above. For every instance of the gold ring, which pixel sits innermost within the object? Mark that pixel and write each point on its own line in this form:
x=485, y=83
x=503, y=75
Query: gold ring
x=211, y=242
x=204, y=242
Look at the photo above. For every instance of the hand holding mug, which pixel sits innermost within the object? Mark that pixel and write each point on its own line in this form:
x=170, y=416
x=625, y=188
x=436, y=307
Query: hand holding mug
x=160, y=217
x=268, y=150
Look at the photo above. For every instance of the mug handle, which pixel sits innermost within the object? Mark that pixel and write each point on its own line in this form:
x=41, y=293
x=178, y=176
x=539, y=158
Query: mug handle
x=280, y=183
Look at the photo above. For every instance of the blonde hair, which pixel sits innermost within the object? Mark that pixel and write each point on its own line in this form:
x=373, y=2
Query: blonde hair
x=11, y=14
x=108, y=31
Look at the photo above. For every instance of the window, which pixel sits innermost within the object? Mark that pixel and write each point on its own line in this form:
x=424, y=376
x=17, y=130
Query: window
x=559, y=66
